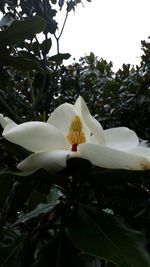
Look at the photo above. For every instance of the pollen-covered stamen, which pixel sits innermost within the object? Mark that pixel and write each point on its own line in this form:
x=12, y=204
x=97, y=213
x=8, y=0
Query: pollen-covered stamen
x=76, y=135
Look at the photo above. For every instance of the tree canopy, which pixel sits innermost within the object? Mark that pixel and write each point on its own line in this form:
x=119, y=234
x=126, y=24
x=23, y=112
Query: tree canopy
x=83, y=215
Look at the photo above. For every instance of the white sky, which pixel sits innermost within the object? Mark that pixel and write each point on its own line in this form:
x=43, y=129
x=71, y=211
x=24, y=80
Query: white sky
x=112, y=29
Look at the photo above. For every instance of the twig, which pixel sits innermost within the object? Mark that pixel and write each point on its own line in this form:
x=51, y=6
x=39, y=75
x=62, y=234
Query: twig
x=58, y=38
x=63, y=26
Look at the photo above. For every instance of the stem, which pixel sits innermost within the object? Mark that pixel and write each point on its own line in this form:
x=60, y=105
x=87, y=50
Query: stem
x=63, y=25
x=46, y=4
x=59, y=36
x=57, y=43
x=59, y=251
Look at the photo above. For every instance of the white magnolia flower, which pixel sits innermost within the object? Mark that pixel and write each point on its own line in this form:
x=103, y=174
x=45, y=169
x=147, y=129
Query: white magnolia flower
x=71, y=131
x=5, y=121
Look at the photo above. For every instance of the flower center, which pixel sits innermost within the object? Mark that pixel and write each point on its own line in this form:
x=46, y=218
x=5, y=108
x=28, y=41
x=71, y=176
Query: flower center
x=76, y=135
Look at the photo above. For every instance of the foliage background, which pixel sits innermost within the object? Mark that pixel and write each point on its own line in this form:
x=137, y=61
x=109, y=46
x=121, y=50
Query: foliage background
x=43, y=216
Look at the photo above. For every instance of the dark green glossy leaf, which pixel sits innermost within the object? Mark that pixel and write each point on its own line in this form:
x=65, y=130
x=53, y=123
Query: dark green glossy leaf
x=36, y=198
x=5, y=186
x=54, y=2
x=60, y=57
x=114, y=177
x=104, y=236
x=14, y=149
x=58, y=252
x=28, y=176
x=2, y=6
x=36, y=49
x=20, y=30
x=10, y=235
x=12, y=255
x=96, y=175
x=41, y=172
x=54, y=195
x=42, y=208
x=27, y=55
x=46, y=46
x=16, y=173
x=93, y=262
x=16, y=198
x=71, y=6
x=20, y=63
x=61, y=3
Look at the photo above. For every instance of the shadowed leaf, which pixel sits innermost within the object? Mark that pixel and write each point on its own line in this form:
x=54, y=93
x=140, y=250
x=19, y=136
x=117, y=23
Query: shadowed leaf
x=12, y=255
x=20, y=30
x=103, y=236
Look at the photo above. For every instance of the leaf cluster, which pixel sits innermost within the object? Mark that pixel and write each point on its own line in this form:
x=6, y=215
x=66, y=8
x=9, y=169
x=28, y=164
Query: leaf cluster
x=83, y=216
x=79, y=217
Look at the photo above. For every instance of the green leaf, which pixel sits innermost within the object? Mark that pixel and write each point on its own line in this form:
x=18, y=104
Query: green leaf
x=114, y=177
x=27, y=55
x=58, y=252
x=54, y=2
x=59, y=57
x=46, y=46
x=20, y=63
x=36, y=198
x=42, y=208
x=61, y=3
x=93, y=262
x=20, y=30
x=10, y=235
x=96, y=175
x=36, y=49
x=28, y=176
x=103, y=236
x=16, y=173
x=12, y=254
x=54, y=195
x=71, y=6
x=5, y=186
x=17, y=197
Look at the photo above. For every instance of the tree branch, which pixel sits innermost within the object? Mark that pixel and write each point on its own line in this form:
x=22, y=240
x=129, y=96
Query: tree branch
x=63, y=26
x=59, y=36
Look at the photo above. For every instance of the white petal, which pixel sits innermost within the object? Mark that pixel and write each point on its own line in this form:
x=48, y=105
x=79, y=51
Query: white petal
x=121, y=138
x=93, y=125
x=36, y=136
x=51, y=161
x=62, y=116
x=143, y=143
x=141, y=151
x=4, y=121
x=106, y=157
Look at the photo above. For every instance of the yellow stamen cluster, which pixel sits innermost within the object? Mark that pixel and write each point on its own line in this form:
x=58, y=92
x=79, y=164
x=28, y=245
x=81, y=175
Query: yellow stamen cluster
x=76, y=135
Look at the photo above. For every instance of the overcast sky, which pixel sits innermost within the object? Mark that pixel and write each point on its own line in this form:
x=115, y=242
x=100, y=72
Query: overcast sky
x=112, y=29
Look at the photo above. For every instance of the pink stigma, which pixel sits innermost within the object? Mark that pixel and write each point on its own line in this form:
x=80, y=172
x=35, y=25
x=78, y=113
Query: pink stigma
x=74, y=147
